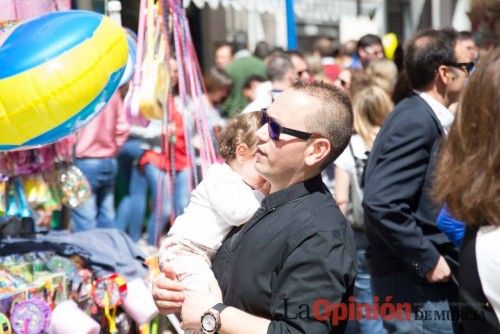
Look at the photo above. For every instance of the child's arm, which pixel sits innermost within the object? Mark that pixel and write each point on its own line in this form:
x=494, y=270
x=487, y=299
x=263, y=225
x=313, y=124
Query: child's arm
x=234, y=202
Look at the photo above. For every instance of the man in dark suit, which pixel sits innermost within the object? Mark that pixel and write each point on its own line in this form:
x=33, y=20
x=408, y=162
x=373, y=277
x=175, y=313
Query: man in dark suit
x=409, y=257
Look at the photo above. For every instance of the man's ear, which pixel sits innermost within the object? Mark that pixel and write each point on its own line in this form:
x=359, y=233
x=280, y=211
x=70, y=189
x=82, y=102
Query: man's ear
x=317, y=151
x=444, y=74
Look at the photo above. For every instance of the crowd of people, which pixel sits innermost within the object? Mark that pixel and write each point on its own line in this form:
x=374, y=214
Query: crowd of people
x=347, y=178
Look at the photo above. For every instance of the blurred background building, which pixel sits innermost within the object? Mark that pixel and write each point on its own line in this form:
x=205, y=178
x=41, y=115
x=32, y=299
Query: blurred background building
x=213, y=21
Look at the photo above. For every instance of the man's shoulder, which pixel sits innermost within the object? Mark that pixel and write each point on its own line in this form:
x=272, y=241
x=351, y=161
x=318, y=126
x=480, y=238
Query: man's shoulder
x=412, y=116
x=318, y=214
x=413, y=108
x=250, y=62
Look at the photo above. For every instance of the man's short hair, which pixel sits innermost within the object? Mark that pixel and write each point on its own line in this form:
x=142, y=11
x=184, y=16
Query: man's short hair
x=295, y=53
x=369, y=40
x=278, y=66
x=221, y=44
x=464, y=36
x=254, y=77
x=324, y=46
x=334, y=119
x=425, y=52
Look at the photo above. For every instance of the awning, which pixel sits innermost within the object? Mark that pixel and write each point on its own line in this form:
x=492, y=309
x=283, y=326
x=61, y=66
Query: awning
x=310, y=11
x=261, y=6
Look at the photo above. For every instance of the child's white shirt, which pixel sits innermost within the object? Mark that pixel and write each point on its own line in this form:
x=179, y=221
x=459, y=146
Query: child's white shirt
x=221, y=200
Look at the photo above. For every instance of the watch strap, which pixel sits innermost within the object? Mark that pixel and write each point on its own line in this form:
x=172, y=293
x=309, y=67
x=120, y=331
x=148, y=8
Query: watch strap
x=219, y=307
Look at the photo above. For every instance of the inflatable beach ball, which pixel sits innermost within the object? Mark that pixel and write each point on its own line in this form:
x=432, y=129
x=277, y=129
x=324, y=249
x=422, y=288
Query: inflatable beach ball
x=132, y=57
x=56, y=73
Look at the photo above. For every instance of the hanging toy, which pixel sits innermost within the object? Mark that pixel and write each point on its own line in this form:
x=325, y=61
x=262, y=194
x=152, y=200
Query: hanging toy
x=131, y=100
x=72, y=67
x=30, y=316
x=109, y=292
x=74, y=186
x=59, y=264
x=3, y=197
x=17, y=204
x=36, y=190
x=152, y=94
x=4, y=325
x=114, y=286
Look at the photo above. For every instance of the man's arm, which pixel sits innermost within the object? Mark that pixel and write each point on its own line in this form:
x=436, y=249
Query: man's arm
x=392, y=188
x=342, y=184
x=319, y=268
x=169, y=297
x=235, y=321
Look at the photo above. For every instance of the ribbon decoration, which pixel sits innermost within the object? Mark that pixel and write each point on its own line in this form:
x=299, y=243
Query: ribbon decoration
x=166, y=19
x=192, y=91
x=111, y=316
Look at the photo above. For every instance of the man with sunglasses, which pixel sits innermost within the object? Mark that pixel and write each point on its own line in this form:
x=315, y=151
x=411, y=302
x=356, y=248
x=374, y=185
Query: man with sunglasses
x=369, y=48
x=410, y=259
x=296, y=255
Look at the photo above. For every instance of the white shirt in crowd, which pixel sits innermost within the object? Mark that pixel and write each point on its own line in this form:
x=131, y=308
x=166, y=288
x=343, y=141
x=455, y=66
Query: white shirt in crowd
x=263, y=98
x=488, y=263
x=345, y=161
x=221, y=200
x=444, y=115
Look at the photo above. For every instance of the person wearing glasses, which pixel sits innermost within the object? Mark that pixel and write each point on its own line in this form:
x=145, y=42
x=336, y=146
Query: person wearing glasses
x=298, y=249
x=410, y=259
x=369, y=48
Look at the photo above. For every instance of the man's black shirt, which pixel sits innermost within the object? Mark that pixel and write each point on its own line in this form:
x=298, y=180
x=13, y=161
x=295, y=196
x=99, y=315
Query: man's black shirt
x=296, y=249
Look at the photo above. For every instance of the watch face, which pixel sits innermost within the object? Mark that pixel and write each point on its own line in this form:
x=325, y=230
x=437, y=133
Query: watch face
x=208, y=322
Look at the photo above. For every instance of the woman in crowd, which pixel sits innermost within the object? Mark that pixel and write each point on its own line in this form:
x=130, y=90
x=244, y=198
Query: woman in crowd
x=383, y=73
x=218, y=85
x=467, y=180
x=352, y=80
x=371, y=105
x=166, y=167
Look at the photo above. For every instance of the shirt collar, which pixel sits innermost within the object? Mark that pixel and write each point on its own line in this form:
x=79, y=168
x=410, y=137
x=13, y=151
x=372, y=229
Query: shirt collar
x=442, y=113
x=292, y=192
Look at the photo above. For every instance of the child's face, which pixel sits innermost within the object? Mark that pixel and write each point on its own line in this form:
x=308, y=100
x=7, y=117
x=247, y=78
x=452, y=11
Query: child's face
x=248, y=171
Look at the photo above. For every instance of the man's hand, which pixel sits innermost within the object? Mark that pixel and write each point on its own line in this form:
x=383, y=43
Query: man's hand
x=440, y=273
x=168, y=294
x=197, y=303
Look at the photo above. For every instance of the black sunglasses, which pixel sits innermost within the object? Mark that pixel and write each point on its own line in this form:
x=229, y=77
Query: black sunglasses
x=467, y=67
x=275, y=129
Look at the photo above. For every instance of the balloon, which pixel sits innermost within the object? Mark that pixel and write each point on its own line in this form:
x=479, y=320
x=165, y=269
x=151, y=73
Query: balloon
x=132, y=56
x=390, y=42
x=57, y=72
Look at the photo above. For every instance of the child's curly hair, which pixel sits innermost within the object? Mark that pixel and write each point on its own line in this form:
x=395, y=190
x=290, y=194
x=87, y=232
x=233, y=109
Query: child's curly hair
x=240, y=130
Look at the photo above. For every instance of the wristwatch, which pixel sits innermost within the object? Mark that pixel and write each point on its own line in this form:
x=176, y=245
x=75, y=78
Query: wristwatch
x=210, y=320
